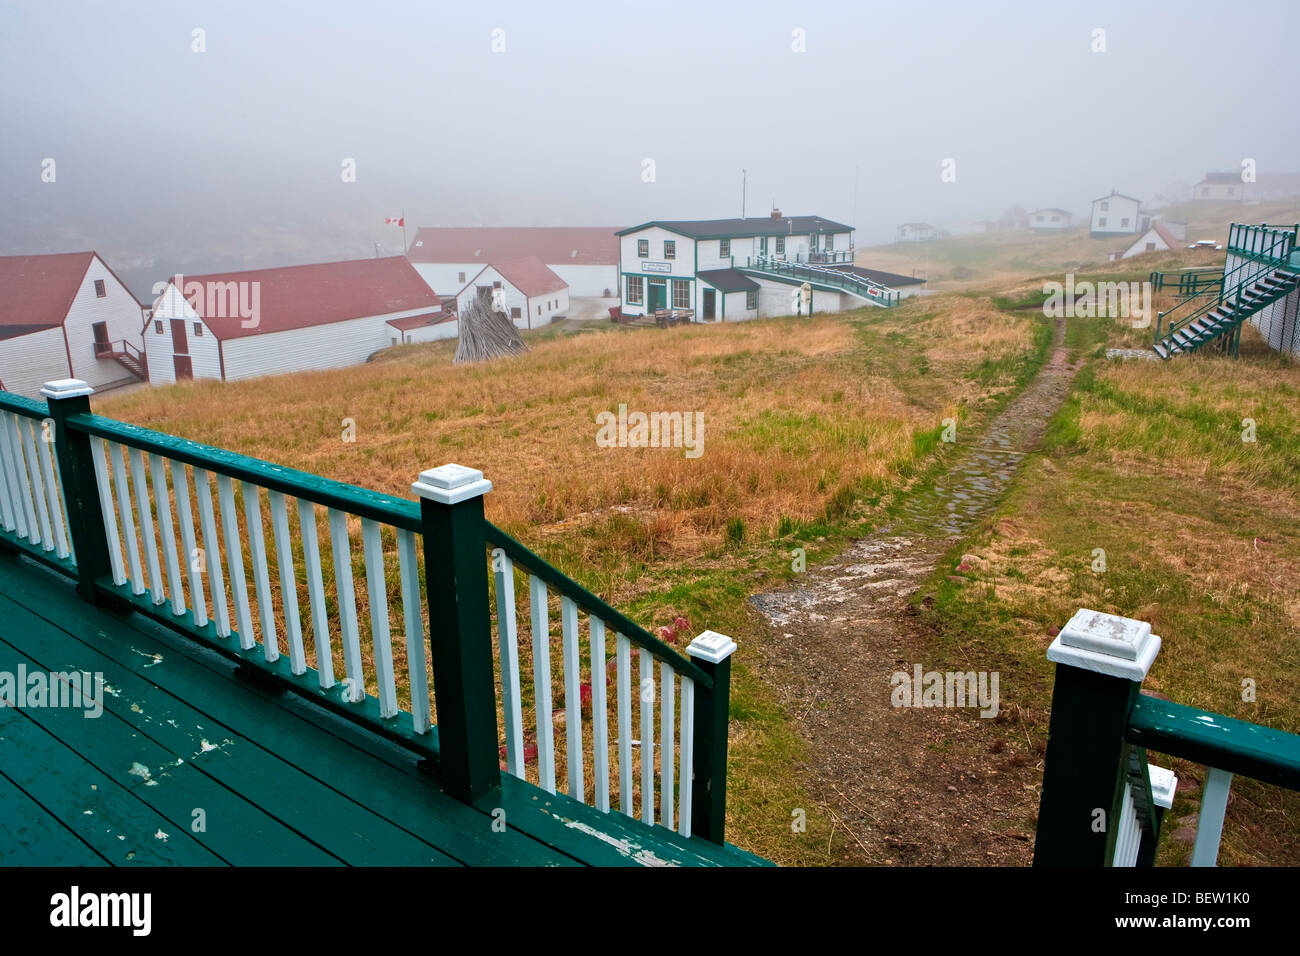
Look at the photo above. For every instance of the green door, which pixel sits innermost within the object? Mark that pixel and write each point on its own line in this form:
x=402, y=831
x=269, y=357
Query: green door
x=658, y=298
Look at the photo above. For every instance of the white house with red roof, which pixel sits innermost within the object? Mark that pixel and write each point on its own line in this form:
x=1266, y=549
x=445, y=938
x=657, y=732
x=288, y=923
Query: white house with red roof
x=236, y=325
x=66, y=316
x=1159, y=237
x=532, y=294
x=586, y=258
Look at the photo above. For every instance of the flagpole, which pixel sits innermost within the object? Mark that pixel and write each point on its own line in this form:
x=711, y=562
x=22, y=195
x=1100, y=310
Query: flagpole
x=403, y=232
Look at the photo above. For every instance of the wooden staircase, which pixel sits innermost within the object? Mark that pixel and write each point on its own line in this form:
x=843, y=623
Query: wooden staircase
x=1221, y=321
x=126, y=355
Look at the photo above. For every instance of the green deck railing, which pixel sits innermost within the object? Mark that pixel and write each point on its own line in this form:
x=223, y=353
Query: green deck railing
x=826, y=276
x=1188, y=281
x=113, y=505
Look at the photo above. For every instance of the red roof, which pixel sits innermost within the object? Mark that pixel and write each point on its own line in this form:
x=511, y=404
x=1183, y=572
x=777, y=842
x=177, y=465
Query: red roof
x=38, y=290
x=580, y=245
x=529, y=275
x=297, y=297
x=421, y=320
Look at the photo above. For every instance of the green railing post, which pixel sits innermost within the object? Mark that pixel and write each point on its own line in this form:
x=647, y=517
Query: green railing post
x=1101, y=661
x=460, y=638
x=67, y=397
x=712, y=652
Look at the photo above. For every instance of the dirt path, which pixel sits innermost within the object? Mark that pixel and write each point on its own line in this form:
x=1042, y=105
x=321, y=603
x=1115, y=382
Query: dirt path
x=907, y=785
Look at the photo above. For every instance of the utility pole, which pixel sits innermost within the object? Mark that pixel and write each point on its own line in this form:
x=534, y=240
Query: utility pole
x=744, y=182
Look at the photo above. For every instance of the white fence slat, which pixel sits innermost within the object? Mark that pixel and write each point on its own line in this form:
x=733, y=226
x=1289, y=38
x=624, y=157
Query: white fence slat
x=99, y=455
x=381, y=638
x=261, y=574
x=210, y=557
x=10, y=514
x=26, y=427
x=166, y=532
x=599, y=713
x=686, y=768
x=409, y=566
x=347, y=598
x=572, y=697
x=503, y=570
x=667, y=700
x=53, y=493
x=320, y=622
x=145, y=512
x=542, y=683
x=647, y=730
x=1209, y=824
x=288, y=581
x=1125, y=852
x=124, y=515
x=235, y=561
x=189, y=545
x=623, y=688
x=22, y=487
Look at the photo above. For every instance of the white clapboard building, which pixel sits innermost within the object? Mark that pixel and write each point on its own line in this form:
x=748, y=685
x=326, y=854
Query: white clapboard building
x=586, y=258
x=526, y=289
x=237, y=325
x=1118, y=215
x=66, y=316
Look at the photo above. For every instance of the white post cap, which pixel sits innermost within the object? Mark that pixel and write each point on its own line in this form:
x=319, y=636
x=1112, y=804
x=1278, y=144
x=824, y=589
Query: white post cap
x=712, y=647
x=1106, y=644
x=451, y=484
x=1164, y=784
x=66, y=388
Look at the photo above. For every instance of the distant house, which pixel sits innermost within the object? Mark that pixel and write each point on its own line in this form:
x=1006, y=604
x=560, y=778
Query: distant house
x=532, y=294
x=917, y=232
x=66, y=316
x=1118, y=215
x=1219, y=187
x=586, y=258
x=1159, y=237
x=237, y=325
x=1049, y=220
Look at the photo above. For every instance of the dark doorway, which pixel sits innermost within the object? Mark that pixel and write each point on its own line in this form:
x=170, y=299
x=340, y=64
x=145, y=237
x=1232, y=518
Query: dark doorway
x=184, y=367
x=180, y=343
x=710, y=303
x=102, y=346
x=658, y=298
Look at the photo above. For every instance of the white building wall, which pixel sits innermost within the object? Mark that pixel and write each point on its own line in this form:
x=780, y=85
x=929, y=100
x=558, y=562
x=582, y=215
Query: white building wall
x=336, y=345
x=29, y=361
x=1118, y=209
x=118, y=309
x=735, y=308
x=587, y=281
x=1218, y=192
x=544, y=309
x=777, y=298
x=1279, y=322
x=204, y=349
x=445, y=278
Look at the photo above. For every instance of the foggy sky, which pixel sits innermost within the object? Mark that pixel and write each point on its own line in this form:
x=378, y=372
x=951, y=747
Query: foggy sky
x=172, y=160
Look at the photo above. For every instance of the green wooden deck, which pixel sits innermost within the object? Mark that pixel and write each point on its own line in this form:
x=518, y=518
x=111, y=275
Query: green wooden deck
x=273, y=779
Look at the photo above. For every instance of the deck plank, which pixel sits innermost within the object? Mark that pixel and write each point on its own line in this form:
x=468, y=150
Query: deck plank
x=30, y=836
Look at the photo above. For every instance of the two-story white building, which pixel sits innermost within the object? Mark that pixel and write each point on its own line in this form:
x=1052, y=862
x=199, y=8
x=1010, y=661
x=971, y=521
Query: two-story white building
x=1118, y=215
x=711, y=266
x=525, y=289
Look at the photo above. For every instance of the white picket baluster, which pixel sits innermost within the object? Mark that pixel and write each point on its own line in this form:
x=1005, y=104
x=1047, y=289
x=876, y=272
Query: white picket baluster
x=235, y=562
x=572, y=698
x=599, y=714
x=166, y=532
x=22, y=488
x=409, y=566
x=261, y=576
x=53, y=495
x=99, y=455
x=210, y=560
x=146, y=526
x=542, y=683
x=189, y=547
x=25, y=429
x=10, y=515
x=1127, y=831
x=124, y=514
x=380, y=635
x=1209, y=824
x=347, y=597
x=647, y=730
x=623, y=668
x=288, y=581
x=508, y=642
x=320, y=622
x=686, y=768
x=667, y=699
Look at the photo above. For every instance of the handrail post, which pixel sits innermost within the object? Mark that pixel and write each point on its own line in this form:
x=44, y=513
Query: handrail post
x=66, y=397
x=1101, y=660
x=712, y=652
x=460, y=638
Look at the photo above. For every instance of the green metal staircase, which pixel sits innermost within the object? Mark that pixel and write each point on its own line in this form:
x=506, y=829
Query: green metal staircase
x=1269, y=271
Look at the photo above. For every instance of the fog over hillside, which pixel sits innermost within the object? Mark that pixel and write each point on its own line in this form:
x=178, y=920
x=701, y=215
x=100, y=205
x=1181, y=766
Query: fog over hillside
x=171, y=158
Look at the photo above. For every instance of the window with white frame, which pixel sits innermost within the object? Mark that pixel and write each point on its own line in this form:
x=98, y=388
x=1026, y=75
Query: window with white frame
x=635, y=290
x=670, y=249
x=830, y=243
x=780, y=245
x=724, y=248
x=643, y=248
x=681, y=294
x=751, y=299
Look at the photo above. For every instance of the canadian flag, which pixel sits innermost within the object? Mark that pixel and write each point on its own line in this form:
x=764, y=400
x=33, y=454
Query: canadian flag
x=395, y=222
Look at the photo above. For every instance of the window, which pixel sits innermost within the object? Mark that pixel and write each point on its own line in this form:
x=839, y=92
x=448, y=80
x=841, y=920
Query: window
x=751, y=300
x=670, y=249
x=635, y=290
x=198, y=330
x=100, y=291
x=762, y=246
x=812, y=241
x=157, y=326
x=1101, y=221
x=724, y=248
x=1123, y=223
x=1105, y=207
x=460, y=277
x=643, y=248
x=681, y=294
x=496, y=285
x=780, y=245
x=830, y=243
x=539, y=311
x=515, y=313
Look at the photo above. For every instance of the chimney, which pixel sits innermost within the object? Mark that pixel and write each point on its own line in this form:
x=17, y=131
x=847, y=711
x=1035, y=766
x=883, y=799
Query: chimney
x=776, y=213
